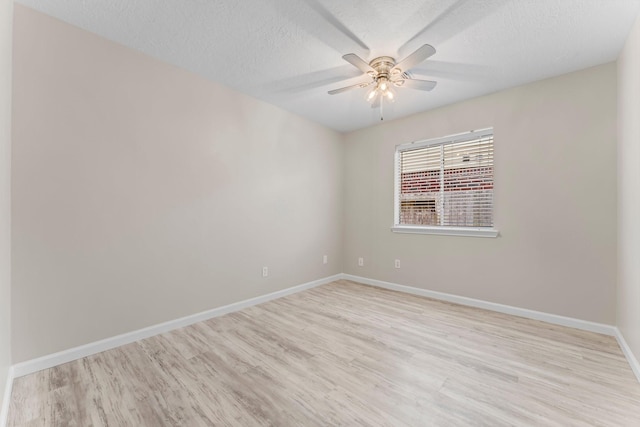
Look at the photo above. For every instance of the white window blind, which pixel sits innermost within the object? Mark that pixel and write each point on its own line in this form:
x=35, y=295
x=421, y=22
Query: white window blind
x=446, y=182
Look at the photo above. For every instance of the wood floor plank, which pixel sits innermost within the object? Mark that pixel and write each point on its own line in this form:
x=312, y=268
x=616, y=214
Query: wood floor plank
x=343, y=354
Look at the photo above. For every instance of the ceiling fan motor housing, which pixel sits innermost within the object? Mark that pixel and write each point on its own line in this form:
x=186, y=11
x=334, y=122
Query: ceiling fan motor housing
x=383, y=66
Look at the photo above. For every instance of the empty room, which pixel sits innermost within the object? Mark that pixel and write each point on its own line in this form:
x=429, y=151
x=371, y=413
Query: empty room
x=319, y=213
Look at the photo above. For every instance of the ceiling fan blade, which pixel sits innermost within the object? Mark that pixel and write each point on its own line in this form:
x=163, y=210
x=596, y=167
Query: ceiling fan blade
x=422, y=53
x=359, y=63
x=346, y=88
x=419, y=84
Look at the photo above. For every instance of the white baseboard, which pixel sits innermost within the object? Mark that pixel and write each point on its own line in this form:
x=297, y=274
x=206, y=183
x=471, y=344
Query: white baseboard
x=631, y=358
x=6, y=398
x=600, y=328
x=51, y=360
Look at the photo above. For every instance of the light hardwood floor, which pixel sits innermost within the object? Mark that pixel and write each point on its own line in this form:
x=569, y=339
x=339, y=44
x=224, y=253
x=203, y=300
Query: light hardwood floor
x=343, y=354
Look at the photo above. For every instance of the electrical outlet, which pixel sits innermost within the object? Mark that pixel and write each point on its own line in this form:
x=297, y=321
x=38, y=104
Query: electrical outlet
x=397, y=263
x=360, y=261
x=265, y=271
x=325, y=259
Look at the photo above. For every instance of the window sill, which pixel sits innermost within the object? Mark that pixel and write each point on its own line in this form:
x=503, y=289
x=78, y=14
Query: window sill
x=446, y=231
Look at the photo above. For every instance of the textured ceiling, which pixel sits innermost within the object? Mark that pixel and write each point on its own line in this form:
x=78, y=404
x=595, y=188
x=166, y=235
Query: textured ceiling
x=288, y=52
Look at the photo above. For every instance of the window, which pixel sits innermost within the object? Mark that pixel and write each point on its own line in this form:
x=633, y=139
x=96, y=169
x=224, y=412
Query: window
x=445, y=185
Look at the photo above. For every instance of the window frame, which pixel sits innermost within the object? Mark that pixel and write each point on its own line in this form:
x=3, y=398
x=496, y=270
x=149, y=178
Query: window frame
x=436, y=229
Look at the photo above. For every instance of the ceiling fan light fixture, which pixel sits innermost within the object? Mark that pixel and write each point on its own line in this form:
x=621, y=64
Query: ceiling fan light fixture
x=372, y=94
x=390, y=95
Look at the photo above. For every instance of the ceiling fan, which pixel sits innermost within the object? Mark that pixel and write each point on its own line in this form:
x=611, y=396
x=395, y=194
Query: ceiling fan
x=386, y=75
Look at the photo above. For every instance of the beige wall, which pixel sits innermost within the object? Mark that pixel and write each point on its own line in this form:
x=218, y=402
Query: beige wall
x=555, y=200
x=629, y=190
x=6, y=15
x=143, y=193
